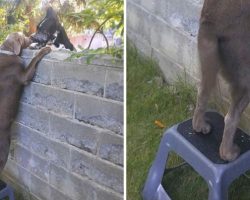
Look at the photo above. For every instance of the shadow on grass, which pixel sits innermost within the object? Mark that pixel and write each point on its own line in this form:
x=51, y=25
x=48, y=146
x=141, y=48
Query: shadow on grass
x=185, y=183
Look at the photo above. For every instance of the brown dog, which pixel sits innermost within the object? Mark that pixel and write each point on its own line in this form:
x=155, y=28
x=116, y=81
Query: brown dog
x=13, y=76
x=224, y=46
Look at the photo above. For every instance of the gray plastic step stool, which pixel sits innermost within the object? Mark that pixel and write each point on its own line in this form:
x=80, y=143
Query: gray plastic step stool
x=202, y=153
x=6, y=191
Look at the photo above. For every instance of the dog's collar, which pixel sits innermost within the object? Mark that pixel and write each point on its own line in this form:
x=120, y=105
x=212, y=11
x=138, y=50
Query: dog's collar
x=7, y=52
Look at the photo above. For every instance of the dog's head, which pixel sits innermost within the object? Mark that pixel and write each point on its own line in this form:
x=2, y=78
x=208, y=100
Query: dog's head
x=46, y=28
x=50, y=29
x=15, y=42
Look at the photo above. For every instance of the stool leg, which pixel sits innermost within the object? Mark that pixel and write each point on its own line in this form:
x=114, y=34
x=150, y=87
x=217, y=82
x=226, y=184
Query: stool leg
x=218, y=191
x=11, y=194
x=156, y=172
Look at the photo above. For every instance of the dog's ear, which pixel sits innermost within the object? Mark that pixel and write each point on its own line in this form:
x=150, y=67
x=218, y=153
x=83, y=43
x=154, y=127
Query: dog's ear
x=17, y=46
x=13, y=45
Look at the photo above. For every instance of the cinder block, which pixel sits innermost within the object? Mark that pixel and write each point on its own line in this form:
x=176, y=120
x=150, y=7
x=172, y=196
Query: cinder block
x=137, y=2
x=102, y=60
x=33, y=117
x=28, y=53
x=32, y=163
x=97, y=170
x=53, y=151
x=170, y=42
x=52, y=99
x=73, y=186
x=33, y=197
x=20, y=191
x=57, y=195
x=40, y=188
x=43, y=72
x=18, y=173
x=26, y=96
x=59, y=55
x=141, y=45
x=114, y=85
x=100, y=112
x=170, y=70
x=139, y=21
x=152, y=6
x=83, y=78
x=183, y=15
x=111, y=148
x=76, y=134
x=107, y=195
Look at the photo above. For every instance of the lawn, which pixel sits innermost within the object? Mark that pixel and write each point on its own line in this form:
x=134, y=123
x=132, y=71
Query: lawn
x=149, y=99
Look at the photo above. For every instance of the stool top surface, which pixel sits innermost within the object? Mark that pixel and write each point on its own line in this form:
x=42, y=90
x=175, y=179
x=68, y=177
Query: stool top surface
x=2, y=185
x=209, y=144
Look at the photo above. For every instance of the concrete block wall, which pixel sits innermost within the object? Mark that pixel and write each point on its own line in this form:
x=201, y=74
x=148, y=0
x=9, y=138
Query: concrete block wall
x=166, y=31
x=67, y=141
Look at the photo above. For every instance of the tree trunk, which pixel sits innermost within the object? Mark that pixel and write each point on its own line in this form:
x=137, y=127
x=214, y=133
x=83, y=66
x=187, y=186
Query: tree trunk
x=32, y=23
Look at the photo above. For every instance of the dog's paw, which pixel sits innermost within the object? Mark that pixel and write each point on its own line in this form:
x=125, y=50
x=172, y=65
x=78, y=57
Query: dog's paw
x=201, y=126
x=45, y=50
x=229, y=154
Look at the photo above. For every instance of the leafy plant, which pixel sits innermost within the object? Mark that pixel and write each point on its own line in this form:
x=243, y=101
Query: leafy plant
x=100, y=16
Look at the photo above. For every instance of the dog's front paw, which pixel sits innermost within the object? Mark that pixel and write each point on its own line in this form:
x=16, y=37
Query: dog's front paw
x=201, y=126
x=45, y=50
x=229, y=154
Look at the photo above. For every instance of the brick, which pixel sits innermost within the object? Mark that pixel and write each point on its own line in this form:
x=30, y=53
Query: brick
x=83, y=78
x=75, y=188
x=33, y=117
x=111, y=148
x=97, y=170
x=114, y=85
x=52, y=99
x=32, y=163
x=40, y=188
x=100, y=112
x=53, y=151
x=76, y=134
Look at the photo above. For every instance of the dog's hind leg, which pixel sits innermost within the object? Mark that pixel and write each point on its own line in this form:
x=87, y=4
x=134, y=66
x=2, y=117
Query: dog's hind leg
x=210, y=63
x=240, y=99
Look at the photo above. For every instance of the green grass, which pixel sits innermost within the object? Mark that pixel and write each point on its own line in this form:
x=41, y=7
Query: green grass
x=149, y=100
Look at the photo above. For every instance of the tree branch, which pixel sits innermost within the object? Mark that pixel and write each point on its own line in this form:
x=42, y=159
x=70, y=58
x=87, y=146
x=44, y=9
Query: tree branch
x=98, y=30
